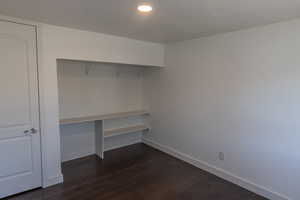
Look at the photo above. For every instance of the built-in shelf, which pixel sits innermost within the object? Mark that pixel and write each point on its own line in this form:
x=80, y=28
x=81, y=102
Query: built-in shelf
x=103, y=117
x=125, y=130
x=101, y=132
x=113, y=63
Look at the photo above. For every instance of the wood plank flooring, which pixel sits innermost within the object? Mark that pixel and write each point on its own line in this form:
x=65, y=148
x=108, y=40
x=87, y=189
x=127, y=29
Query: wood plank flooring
x=137, y=172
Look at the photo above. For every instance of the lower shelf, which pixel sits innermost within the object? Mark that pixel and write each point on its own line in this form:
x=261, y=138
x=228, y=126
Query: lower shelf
x=120, y=131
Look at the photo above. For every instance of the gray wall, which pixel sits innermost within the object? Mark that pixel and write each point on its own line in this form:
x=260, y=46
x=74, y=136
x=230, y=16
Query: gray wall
x=236, y=93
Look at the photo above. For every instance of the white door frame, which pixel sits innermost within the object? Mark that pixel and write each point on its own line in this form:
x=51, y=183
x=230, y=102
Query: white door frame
x=40, y=89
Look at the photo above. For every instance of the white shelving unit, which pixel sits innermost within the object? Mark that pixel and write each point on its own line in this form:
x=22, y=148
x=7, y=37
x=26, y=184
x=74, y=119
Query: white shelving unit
x=102, y=132
x=90, y=96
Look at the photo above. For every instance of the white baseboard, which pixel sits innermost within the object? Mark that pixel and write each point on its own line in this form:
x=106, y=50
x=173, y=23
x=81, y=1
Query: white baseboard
x=123, y=145
x=53, y=181
x=260, y=190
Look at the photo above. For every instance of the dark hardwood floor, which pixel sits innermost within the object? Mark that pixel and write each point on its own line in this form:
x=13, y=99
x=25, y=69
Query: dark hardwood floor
x=137, y=172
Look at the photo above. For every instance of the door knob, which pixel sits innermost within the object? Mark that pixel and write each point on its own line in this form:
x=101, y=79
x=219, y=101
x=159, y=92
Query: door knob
x=33, y=131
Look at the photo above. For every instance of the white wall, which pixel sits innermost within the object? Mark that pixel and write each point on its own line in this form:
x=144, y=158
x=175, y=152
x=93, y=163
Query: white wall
x=58, y=42
x=107, y=88
x=236, y=93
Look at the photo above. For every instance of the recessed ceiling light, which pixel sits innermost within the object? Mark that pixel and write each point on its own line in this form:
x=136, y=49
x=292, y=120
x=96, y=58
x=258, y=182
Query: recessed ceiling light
x=145, y=8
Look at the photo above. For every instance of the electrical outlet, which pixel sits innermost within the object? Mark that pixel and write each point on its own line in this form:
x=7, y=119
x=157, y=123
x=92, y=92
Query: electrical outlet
x=221, y=156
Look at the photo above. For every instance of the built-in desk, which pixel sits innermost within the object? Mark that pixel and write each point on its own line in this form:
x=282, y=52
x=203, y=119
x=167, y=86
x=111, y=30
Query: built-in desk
x=102, y=132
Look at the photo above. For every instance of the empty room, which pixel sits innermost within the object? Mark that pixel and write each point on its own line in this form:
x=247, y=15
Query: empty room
x=149, y=100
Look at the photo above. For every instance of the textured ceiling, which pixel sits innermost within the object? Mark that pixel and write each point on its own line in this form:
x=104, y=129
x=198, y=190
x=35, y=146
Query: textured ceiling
x=171, y=21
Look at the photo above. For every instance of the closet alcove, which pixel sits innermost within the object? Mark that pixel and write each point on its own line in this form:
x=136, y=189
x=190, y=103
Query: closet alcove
x=102, y=107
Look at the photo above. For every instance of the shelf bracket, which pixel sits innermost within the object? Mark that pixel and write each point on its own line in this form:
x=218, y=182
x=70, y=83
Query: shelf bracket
x=87, y=68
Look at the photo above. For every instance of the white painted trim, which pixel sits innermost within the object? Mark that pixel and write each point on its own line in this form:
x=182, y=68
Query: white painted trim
x=18, y=20
x=53, y=181
x=46, y=181
x=124, y=145
x=258, y=189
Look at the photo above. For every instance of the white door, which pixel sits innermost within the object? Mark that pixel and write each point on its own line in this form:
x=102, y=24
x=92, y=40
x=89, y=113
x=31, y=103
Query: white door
x=20, y=153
